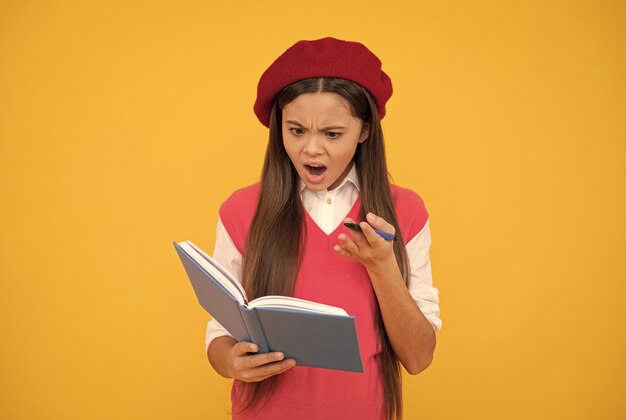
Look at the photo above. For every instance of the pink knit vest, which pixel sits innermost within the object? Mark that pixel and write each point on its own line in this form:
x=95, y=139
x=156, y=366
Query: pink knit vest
x=326, y=277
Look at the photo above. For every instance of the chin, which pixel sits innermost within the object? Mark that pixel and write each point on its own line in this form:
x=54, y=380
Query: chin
x=317, y=188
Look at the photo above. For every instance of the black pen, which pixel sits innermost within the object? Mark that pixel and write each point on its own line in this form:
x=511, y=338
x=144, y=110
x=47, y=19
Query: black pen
x=386, y=236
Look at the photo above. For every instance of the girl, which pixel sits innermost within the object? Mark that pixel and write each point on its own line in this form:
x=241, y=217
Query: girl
x=325, y=165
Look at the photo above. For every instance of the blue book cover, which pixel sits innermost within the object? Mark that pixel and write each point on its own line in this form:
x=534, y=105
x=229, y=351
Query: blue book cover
x=313, y=334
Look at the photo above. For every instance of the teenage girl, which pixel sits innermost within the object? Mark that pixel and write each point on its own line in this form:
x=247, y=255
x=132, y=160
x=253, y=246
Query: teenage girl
x=325, y=165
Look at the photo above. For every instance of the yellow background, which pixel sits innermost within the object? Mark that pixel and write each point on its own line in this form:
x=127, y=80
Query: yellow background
x=124, y=125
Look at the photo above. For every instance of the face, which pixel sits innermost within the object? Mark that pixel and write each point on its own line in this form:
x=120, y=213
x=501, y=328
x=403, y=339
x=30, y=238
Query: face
x=320, y=135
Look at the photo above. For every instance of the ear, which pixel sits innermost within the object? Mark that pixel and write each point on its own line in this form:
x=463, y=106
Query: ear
x=365, y=132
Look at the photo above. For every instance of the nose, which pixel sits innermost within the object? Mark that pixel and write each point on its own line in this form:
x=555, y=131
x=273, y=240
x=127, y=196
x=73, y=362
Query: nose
x=313, y=145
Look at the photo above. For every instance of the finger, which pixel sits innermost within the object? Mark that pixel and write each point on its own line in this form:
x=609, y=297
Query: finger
x=244, y=347
x=370, y=235
x=346, y=246
x=263, y=359
x=265, y=371
x=350, y=244
x=286, y=365
x=353, y=233
x=245, y=365
x=379, y=223
x=274, y=369
x=342, y=251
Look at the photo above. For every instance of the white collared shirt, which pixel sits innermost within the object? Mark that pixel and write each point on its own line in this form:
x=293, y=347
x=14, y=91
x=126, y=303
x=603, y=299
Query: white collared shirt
x=328, y=209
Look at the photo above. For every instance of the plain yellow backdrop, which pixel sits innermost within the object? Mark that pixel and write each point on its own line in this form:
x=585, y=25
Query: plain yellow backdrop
x=125, y=124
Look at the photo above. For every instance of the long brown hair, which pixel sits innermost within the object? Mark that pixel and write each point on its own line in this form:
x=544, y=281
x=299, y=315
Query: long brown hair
x=270, y=268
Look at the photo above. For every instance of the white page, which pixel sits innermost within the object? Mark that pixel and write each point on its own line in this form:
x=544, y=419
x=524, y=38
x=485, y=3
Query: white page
x=287, y=302
x=224, y=271
x=206, y=263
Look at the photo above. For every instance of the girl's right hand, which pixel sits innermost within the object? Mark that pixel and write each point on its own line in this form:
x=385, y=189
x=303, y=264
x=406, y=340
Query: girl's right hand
x=247, y=366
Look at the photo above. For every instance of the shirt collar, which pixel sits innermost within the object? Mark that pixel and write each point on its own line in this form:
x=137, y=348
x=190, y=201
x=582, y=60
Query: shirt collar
x=351, y=176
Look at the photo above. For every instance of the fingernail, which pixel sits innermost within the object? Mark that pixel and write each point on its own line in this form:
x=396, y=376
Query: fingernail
x=279, y=356
x=370, y=216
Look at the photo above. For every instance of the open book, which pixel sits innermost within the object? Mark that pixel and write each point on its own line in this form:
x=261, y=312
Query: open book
x=314, y=334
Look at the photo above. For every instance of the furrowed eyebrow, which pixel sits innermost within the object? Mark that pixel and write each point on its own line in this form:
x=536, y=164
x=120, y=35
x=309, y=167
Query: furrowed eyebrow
x=334, y=127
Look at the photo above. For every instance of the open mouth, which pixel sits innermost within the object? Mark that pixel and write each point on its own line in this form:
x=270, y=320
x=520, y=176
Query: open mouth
x=315, y=170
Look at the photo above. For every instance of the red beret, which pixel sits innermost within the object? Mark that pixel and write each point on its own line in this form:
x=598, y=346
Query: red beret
x=326, y=57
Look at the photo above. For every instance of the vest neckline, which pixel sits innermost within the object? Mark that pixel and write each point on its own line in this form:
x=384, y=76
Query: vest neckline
x=352, y=213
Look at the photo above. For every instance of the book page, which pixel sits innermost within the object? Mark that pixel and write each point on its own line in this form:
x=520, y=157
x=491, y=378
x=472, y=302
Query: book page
x=295, y=304
x=224, y=271
x=215, y=270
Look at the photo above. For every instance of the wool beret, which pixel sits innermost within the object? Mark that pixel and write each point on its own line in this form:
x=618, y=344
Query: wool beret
x=326, y=57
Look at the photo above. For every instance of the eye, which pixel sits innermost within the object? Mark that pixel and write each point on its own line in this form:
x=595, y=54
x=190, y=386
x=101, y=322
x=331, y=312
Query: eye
x=333, y=134
x=296, y=131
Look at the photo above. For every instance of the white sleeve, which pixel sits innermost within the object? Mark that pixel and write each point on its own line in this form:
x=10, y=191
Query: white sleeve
x=421, y=282
x=229, y=257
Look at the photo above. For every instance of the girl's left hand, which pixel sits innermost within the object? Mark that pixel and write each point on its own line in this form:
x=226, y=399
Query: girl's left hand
x=368, y=248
